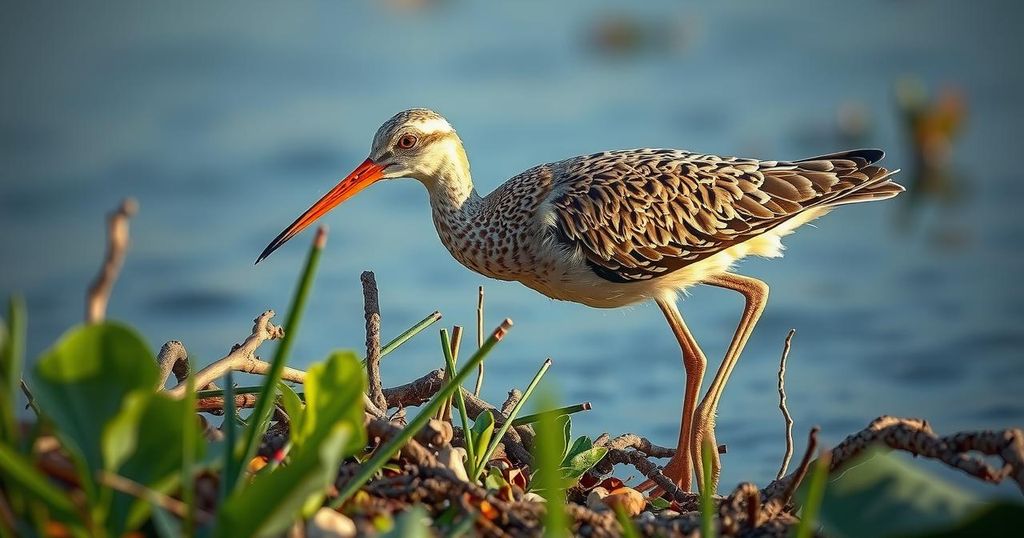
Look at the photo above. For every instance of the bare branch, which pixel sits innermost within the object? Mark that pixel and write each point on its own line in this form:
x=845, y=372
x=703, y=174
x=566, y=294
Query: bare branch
x=479, y=339
x=98, y=295
x=371, y=310
x=782, y=405
x=242, y=357
x=172, y=358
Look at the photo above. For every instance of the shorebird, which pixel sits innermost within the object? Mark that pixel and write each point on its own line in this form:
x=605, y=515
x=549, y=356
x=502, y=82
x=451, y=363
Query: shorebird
x=620, y=227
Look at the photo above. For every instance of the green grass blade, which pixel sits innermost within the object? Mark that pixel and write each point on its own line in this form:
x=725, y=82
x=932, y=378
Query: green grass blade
x=548, y=457
x=12, y=356
x=232, y=464
x=386, y=452
x=567, y=410
x=265, y=401
x=188, y=456
x=460, y=401
x=815, y=494
x=19, y=471
x=409, y=333
x=511, y=416
x=707, y=504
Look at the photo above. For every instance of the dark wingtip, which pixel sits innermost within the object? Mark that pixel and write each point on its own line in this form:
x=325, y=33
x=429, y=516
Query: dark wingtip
x=871, y=155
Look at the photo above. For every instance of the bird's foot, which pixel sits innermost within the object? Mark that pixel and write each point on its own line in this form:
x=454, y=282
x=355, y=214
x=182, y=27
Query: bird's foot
x=677, y=470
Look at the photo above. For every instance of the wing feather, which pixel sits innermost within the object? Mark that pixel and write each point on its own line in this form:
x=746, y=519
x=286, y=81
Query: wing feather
x=639, y=214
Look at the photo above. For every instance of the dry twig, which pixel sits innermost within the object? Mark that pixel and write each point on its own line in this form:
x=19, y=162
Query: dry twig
x=479, y=339
x=371, y=311
x=242, y=357
x=782, y=406
x=98, y=295
x=916, y=437
x=648, y=469
x=172, y=358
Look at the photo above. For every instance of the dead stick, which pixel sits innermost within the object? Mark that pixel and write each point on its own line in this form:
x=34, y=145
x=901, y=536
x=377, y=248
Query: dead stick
x=241, y=358
x=371, y=310
x=98, y=295
x=479, y=339
x=801, y=471
x=782, y=406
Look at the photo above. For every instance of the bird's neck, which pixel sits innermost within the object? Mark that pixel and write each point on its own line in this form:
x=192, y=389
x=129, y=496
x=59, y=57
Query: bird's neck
x=450, y=185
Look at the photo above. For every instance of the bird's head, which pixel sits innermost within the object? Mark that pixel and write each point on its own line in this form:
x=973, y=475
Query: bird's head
x=416, y=143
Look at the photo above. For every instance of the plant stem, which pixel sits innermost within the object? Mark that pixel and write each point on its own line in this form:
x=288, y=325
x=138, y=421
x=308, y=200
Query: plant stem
x=511, y=416
x=815, y=494
x=232, y=465
x=386, y=452
x=265, y=402
x=188, y=456
x=449, y=359
x=567, y=410
x=409, y=333
x=707, y=506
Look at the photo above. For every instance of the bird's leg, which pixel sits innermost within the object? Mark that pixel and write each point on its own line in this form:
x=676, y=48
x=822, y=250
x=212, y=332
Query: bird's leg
x=755, y=294
x=680, y=466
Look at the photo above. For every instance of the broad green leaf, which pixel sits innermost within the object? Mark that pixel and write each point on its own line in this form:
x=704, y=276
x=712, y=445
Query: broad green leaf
x=880, y=494
x=483, y=430
x=144, y=444
x=83, y=380
x=659, y=503
x=334, y=392
x=413, y=523
x=581, y=463
x=274, y=500
x=579, y=446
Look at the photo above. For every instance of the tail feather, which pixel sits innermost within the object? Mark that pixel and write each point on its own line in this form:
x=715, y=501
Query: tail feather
x=867, y=182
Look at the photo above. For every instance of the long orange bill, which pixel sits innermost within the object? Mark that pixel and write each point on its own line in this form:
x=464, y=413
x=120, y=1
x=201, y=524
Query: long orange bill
x=359, y=179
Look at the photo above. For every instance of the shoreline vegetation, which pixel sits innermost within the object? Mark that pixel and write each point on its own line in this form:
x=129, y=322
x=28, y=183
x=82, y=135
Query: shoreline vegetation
x=331, y=451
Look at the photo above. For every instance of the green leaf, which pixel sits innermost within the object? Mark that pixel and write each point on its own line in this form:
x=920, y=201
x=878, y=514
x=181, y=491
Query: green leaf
x=659, y=503
x=292, y=405
x=549, y=449
x=579, y=446
x=274, y=500
x=581, y=463
x=265, y=402
x=83, y=380
x=879, y=494
x=334, y=392
x=144, y=444
x=564, y=424
x=494, y=480
x=483, y=430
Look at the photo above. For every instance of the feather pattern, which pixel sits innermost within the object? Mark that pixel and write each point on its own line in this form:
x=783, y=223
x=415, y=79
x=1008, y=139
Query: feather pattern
x=639, y=214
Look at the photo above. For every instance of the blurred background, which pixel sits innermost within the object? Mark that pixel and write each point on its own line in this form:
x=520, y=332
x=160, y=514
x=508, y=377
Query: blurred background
x=225, y=121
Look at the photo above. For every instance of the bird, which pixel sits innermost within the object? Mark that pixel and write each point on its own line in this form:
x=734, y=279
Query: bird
x=617, y=228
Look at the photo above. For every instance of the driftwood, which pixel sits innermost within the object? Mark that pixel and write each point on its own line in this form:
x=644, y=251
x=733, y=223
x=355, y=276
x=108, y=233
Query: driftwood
x=98, y=294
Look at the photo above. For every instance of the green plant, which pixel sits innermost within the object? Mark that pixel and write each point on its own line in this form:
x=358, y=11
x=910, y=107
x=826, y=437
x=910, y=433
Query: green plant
x=575, y=458
x=549, y=450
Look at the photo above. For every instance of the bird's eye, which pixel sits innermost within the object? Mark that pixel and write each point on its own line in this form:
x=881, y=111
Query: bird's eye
x=407, y=141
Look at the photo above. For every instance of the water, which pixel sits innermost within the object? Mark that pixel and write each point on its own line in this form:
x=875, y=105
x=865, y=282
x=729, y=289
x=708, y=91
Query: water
x=226, y=121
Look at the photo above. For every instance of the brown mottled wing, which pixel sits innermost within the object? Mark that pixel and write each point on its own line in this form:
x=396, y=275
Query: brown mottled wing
x=639, y=214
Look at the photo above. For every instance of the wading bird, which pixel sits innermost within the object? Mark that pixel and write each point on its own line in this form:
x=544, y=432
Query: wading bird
x=619, y=227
